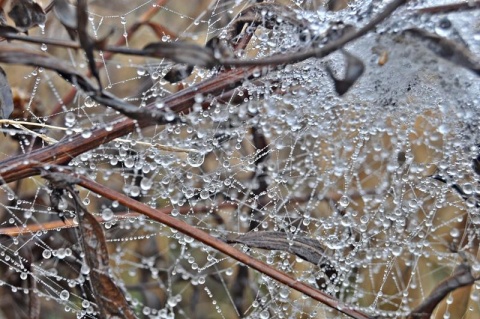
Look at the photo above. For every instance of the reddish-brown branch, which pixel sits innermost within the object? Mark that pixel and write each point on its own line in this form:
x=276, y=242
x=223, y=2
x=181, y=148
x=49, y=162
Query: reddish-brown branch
x=221, y=246
x=61, y=153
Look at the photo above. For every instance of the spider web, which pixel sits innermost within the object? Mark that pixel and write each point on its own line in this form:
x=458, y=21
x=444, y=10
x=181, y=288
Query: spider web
x=382, y=177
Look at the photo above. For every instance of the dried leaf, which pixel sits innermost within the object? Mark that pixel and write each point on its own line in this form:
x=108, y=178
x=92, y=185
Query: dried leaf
x=353, y=71
x=3, y=19
x=67, y=15
x=448, y=49
x=304, y=247
x=462, y=277
x=5, y=30
x=59, y=180
x=178, y=73
x=182, y=52
x=110, y=299
x=26, y=14
x=240, y=289
x=6, y=97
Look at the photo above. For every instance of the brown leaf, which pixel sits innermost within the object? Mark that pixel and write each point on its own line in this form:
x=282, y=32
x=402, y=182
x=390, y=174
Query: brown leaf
x=304, y=247
x=6, y=97
x=3, y=19
x=462, y=277
x=182, y=52
x=109, y=298
x=336, y=5
x=178, y=73
x=26, y=14
x=7, y=29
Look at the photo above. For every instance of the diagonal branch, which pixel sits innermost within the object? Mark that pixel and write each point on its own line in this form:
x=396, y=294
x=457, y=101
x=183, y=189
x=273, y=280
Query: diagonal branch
x=221, y=246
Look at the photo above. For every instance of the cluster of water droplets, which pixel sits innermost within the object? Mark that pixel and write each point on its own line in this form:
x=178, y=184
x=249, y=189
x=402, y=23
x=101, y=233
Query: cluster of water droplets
x=374, y=176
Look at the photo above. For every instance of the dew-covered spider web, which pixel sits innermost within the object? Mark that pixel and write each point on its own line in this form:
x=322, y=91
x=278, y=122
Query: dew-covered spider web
x=385, y=178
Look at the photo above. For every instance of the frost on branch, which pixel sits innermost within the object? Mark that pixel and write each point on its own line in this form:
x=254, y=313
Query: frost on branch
x=359, y=168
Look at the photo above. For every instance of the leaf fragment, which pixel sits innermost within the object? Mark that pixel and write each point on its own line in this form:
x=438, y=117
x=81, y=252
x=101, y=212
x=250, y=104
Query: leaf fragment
x=182, y=52
x=3, y=19
x=178, y=73
x=26, y=14
x=109, y=298
x=67, y=15
x=6, y=97
x=304, y=247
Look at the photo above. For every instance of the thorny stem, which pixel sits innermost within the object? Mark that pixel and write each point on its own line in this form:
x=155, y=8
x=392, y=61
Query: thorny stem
x=221, y=246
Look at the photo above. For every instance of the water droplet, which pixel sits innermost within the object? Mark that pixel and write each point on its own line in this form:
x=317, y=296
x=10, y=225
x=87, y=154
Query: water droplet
x=27, y=214
x=86, y=134
x=146, y=183
x=396, y=251
x=264, y=314
x=85, y=269
x=64, y=295
x=47, y=254
x=204, y=194
x=107, y=214
x=344, y=201
x=135, y=191
x=195, y=159
x=89, y=102
x=454, y=232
